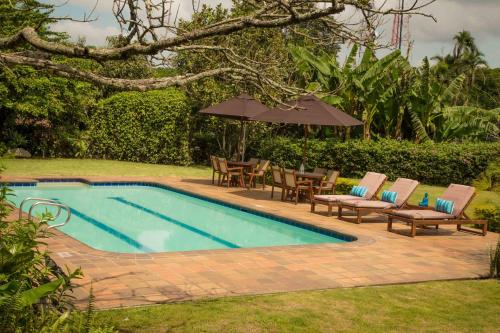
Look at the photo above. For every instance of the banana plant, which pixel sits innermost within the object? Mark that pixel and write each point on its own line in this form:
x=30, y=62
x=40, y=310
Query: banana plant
x=469, y=123
x=430, y=97
x=361, y=89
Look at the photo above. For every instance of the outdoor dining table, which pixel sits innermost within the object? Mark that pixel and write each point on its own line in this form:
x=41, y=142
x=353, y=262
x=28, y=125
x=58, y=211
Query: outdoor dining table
x=244, y=165
x=315, y=177
x=238, y=164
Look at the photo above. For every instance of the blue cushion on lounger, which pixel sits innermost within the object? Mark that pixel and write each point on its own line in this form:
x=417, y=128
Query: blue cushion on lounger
x=359, y=191
x=444, y=206
x=389, y=196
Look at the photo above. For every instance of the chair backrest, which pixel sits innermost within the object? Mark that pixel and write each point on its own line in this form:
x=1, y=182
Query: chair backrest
x=373, y=182
x=215, y=164
x=461, y=195
x=331, y=177
x=263, y=165
x=404, y=188
x=276, y=173
x=320, y=170
x=254, y=161
x=289, y=177
x=222, y=164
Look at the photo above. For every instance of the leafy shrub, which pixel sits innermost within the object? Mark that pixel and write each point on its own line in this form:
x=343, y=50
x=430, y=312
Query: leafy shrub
x=495, y=261
x=34, y=292
x=489, y=180
x=344, y=185
x=490, y=213
x=142, y=127
x=430, y=163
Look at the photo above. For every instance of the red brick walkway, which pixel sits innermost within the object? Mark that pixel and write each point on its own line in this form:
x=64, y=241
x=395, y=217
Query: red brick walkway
x=377, y=257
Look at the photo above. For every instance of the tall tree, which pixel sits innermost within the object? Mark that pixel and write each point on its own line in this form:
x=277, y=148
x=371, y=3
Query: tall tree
x=149, y=32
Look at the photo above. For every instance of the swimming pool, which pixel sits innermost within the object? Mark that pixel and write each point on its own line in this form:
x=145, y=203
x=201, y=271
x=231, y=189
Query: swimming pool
x=144, y=218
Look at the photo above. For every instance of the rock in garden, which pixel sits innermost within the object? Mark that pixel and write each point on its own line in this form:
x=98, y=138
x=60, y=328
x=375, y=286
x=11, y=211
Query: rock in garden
x=20, y=153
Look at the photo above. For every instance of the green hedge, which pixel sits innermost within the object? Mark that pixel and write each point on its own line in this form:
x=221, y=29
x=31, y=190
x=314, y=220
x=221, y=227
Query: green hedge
x=142, y=127
x=437, y=164
x=490, y=213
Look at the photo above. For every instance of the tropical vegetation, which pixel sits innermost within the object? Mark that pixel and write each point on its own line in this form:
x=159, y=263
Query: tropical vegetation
x=437, y=122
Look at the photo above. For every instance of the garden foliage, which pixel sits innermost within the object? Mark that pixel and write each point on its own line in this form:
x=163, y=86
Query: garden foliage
x=34, y=291
x=142, y=127
x=429, y=163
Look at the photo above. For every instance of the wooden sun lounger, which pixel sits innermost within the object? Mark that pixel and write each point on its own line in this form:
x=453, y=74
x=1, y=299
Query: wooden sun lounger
x=403, y=186
x=372, y=180
x=461, y=194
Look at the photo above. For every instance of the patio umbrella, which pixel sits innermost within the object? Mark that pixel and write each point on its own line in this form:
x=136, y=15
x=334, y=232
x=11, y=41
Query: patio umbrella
x=241, y=108
x=307, y=110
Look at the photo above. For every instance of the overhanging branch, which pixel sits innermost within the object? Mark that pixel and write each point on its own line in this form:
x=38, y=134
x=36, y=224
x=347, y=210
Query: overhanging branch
x=122, y=84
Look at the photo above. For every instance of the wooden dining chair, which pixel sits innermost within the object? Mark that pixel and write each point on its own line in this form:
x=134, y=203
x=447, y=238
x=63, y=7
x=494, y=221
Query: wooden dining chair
x=256, y=172
x=277, y=180
x=228, y=173
x=320, y=170
x=215, y=169
x=254, y=161
x=328, y=184
x=294, y=187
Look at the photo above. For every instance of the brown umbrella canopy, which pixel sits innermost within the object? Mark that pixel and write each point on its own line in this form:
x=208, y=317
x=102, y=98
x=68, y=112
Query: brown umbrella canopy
x=242, y=107
x=308, y=110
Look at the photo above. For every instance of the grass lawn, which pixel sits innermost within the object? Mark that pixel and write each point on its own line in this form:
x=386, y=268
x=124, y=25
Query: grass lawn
x=81, y=167
x=455, y=306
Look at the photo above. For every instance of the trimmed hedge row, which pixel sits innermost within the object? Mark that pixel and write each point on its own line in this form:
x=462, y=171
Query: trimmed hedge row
x=490, y=213
x=430, y=163
x=151, y=127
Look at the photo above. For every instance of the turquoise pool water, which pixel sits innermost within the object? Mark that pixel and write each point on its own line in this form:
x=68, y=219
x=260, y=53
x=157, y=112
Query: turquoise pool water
x=142, y=219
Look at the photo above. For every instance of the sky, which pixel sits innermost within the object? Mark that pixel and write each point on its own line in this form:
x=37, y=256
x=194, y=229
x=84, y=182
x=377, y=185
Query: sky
x=480, y=17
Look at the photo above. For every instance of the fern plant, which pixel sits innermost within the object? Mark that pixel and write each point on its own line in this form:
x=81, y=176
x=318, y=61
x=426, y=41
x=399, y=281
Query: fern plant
x=495, y=261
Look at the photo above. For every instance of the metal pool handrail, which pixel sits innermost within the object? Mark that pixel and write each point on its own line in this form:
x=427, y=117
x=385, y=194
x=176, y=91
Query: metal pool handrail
x=40, y=200
x=47, y=202
x=59, y=205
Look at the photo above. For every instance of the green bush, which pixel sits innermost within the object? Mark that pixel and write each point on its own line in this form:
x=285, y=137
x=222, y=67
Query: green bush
x=430, y=163
x=344, y=185
x=142, y=127
x=490, y=213
x=495, y=261
x=35, y=294
x=489, y=180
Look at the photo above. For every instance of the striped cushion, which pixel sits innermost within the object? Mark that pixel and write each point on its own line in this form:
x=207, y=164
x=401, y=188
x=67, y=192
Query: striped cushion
x=389, y=196
x=359, y=191
x=444, y=206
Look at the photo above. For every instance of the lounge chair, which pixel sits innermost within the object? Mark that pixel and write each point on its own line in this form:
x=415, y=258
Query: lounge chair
x=215, y=169
x=327, y=185
x=228, y=173
x=460, y=195
x=294, y=187
x=277, y=178
x=399, y=192
x=372, y=181
x=256, y=172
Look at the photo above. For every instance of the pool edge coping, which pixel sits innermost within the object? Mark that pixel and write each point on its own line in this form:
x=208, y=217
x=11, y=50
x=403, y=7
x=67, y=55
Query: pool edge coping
x=359, y=240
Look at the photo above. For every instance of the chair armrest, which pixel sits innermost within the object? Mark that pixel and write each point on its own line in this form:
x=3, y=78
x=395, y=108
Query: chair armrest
x=306, y=182
x=235, y=169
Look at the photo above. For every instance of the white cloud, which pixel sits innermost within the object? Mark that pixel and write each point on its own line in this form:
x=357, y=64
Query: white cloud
x=430, y=38
x=479, y=17
x=94, y=35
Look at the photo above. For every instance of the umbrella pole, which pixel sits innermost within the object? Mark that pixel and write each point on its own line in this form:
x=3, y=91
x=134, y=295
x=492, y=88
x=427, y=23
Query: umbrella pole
x=240, y=143
x=304, y=151
x=243, y=141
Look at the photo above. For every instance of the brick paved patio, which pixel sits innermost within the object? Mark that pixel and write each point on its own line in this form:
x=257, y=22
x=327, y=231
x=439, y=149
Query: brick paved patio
x=377, y=257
